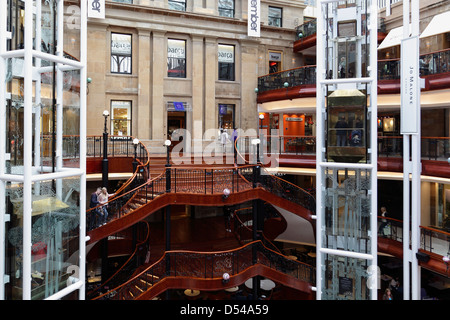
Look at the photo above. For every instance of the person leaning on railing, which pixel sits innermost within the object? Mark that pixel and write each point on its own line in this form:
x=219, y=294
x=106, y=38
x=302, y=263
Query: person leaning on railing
x=103, y=199
x=95, y=213
x=384, y=222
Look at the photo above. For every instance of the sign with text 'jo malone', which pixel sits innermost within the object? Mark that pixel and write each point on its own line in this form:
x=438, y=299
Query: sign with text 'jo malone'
x=410, y=87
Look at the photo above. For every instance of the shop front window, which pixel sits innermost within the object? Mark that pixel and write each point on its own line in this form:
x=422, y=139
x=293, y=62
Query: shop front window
x=226, y=62
x=179, y=5
x=120, y=53
x=226, y=8
x=226, y=116
x=275, y=16
x=176, y=58
x=274, y=61
x=121, y=118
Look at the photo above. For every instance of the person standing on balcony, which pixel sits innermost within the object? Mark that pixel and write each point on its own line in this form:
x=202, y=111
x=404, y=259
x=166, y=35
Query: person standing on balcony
x=384, y=222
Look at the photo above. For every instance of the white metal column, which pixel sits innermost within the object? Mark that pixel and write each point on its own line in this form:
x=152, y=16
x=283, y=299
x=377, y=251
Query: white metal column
x=27, y=150
x=31, y=175
x=3, y=37
x=83, y=113
x=410, y=129
x=321, y=82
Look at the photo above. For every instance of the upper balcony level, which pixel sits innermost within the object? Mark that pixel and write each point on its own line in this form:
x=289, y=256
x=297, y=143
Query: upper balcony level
x=301, y=82
x=305, y=36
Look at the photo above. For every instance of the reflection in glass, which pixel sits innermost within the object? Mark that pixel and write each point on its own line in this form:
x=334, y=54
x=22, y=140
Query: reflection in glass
x=179, y=5
x=345, y=278
x=55, y=245
x=226, y=58
x=121, y=53
x=347, y=199
x=44, y=105
x=176, y=58
x=41, y=136
x=275, y=16
x=226, y=8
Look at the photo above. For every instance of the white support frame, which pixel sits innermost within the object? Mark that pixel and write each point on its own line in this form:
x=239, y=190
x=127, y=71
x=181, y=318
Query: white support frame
x=411, y=193
x=321, y=81
x=3, y=38
x=28, y=178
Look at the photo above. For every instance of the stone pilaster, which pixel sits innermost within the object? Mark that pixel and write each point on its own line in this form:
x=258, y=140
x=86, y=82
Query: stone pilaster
x=142, y=112
x=159, y=67
x=249, y=63
x=210, y=109
x=198, y=102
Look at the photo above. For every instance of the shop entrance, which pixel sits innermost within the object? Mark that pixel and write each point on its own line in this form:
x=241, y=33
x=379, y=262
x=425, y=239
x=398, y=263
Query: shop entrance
x=274, y=61
x=176, y=120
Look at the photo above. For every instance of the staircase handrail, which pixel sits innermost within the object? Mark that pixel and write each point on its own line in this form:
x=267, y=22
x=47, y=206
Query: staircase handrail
x=125, y=263
x=272, y=259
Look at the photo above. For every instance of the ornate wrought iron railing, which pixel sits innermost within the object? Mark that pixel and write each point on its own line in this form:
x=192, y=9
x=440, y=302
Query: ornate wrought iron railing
x=432, y=239
x=176, y=180
x=210, y=265
x=388, y=69
x=224, y=180
x=287, y=78
x=432, y=148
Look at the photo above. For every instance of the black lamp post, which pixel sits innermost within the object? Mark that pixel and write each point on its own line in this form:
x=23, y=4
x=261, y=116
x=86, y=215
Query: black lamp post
x=135, y=144
x=167, y=144
x=257, y=142
x=261, y=135
x=261, y=118
x=135, y=163
x=105, y=151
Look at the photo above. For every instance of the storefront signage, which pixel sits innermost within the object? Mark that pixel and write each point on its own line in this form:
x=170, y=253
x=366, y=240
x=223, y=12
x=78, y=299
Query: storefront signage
x=179, y=106
x=254, y=18
x=96, y=9
x=223, y=109
x=410, y=87
x=275, y=56
x=226, y=53
x=294, y=119
x=120, y=44
x=176, y=49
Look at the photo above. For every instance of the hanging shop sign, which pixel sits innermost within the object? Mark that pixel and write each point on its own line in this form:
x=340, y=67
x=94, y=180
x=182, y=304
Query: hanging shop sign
x=254, y=18
x=96, y=9
x=410, y=87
